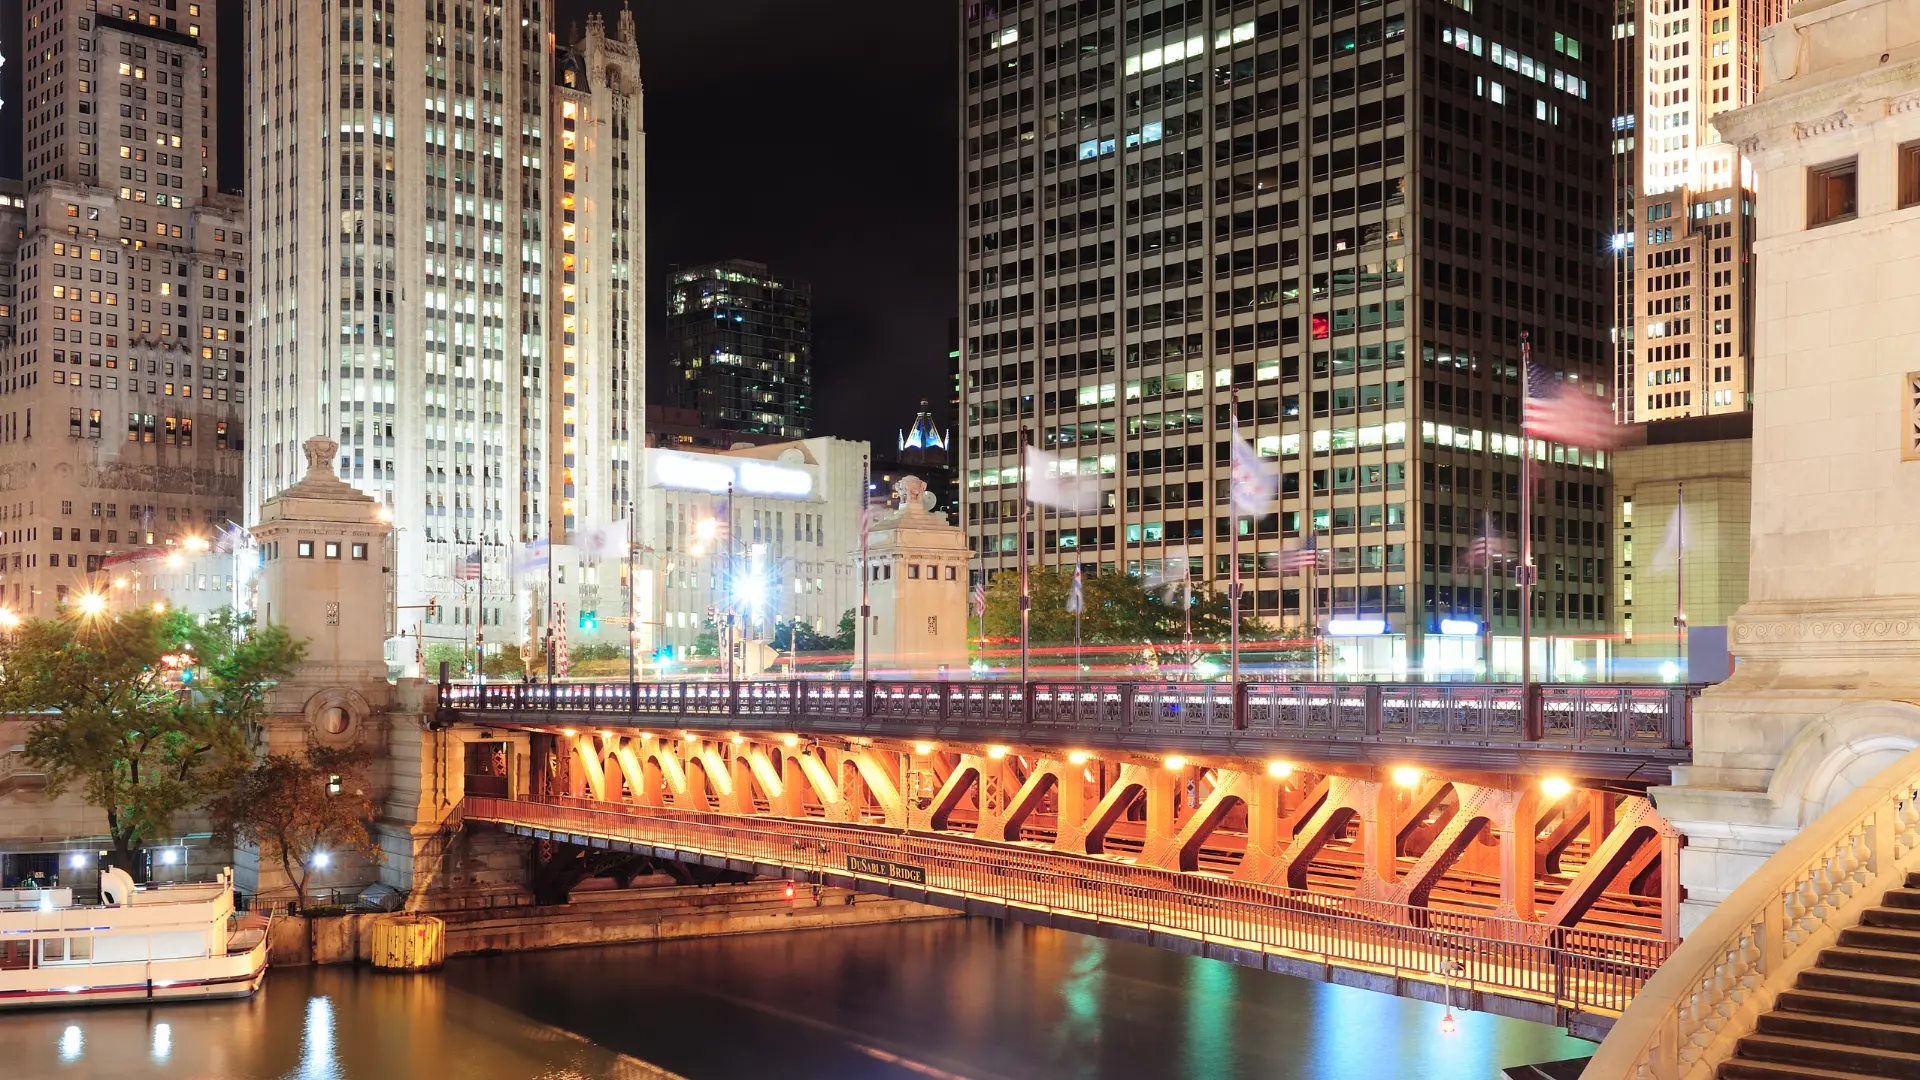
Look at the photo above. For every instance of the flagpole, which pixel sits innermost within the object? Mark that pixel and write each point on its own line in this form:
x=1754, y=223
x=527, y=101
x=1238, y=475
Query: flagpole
x=1486, y=589
x=1026, y=594
x=480, y=617
x=1525, y=572
x=1233, y=568
x=866, y=526
x=1080, y=605
x=1680, y=572
x=633, y=594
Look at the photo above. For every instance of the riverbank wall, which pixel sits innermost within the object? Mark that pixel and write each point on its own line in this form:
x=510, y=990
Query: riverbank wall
x=606, y=917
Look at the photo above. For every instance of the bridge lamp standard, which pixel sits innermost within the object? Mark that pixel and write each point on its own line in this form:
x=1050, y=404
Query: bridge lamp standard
x=1555, y=787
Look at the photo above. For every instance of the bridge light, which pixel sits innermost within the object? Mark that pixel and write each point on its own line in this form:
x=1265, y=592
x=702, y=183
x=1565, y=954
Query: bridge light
x=1554, y=787
x=1406, y=776
x=646, y=734
x=689, y=736
x=1078, y=757
x=996, y=752
x=738, y=739
x=790, y=741
x=1279, y=770
x=606, y=734
x=789, y=890
x=923, y=748
x=568, y=732
x=1447, y=1026
x=1176, y=762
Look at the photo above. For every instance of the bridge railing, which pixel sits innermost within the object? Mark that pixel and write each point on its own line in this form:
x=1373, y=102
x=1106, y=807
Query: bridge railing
x=1586, y=715
x=1581, y=970
x=1731, y=969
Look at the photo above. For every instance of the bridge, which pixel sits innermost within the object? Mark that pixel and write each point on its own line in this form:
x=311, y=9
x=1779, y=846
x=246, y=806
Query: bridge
x=1407, y=838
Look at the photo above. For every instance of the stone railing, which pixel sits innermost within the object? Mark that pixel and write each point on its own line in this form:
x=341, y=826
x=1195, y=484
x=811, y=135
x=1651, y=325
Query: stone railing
x=1713, y=989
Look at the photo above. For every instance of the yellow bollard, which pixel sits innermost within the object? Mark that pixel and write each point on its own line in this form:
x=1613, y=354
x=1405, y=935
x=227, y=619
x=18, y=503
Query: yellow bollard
x=408, y=943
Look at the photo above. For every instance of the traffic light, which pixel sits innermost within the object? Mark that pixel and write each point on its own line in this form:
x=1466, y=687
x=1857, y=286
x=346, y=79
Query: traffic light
x=589, y=620
x=433, y=607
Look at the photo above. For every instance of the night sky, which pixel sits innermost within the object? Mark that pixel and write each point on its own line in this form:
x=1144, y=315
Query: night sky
x=819, y=139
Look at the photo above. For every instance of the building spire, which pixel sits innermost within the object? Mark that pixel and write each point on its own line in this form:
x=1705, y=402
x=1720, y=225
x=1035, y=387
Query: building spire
x=626, y=24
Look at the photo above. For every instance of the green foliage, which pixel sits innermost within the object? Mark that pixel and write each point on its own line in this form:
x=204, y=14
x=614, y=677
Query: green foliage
x=601, y=650
x=788, y=636
x=145, y=714
x=849, y=630
x=504, y=664
x=706, y=644
x=458, y=659
x=293, y=807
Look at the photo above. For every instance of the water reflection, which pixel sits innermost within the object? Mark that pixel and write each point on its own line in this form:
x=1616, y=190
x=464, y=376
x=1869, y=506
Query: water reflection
x=951, y=1000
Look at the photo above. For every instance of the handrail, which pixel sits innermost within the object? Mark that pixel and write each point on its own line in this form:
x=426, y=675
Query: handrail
x=1540, y=965
x=1653, y=717
x=1712, y=990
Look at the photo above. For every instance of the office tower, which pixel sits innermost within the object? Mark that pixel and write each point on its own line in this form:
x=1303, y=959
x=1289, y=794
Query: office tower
x=1626, y=182
x=450, y=232
x=1339, y=219
x=125, y=389
x=741, y=342
x=1692, y=347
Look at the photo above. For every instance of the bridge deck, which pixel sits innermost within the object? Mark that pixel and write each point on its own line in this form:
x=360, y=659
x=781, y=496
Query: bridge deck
x=1528, y=970
x=1604, y=732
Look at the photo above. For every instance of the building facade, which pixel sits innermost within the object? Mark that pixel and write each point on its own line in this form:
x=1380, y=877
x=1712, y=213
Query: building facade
x=1338, y=221
x=450, y=225
x=1683, y=492
x=741, y=343
x=128, y=314
x=771, y=532
x=1690, y=352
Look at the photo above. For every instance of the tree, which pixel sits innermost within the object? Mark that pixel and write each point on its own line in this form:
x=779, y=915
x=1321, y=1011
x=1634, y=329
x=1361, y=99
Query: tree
x=849, y=631
x=1119, y=609
x=788, y=636
x=144, y=713
x=293, y=809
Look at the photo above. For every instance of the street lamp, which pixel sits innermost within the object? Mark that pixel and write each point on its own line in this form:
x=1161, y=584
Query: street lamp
x=92, y=604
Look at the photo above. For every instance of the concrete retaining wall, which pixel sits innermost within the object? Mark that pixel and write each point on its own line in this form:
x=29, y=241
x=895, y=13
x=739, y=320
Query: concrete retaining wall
x=606, y=918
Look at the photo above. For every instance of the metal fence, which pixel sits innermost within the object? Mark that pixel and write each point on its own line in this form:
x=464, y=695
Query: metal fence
x=1586, y=716
x=1582, y=970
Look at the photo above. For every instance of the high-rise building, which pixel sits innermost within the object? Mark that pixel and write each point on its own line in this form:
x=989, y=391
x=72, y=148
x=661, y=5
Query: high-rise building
x=1337, y=218
x=1691, y=348
x=450, y=230
x=123, y=404
x=741, y=342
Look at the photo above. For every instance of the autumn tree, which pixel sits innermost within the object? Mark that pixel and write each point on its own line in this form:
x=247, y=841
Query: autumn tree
x=1119, y=609
x=293, y=808
x=145, y=714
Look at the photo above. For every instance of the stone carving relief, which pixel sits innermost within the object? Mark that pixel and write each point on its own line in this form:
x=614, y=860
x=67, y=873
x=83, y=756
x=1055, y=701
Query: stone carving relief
x=126, y=476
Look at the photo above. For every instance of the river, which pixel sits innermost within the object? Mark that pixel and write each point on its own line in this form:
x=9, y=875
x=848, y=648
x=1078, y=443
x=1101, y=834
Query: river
x=947, y=1000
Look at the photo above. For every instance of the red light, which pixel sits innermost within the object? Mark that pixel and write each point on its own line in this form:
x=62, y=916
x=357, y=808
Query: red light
x=789, y=890
x=1321, y=327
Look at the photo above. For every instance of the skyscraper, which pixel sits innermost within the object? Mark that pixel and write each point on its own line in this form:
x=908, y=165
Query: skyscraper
x=450, y=226
x=1338, y=219
x=122, y=410
x=1691, y=351
x=741, y=342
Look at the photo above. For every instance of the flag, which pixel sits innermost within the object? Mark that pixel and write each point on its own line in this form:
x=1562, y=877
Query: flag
x=1485, y=547
x=137, y=555
x=1564, y=412
x=1256, y=482
x=1076, y=599
x=1673, y=543
x=1057, y=482
x=601, y=541
x=1304, y=557
x=469, y=568
x=980, y=598
x=532, y=557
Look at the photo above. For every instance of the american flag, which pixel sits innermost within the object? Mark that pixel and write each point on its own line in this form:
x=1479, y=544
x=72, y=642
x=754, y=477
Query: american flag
x=980, y=598
x=1076, y=600
x=1255, y=483
x=1485, y=547
x=1304, y=557
x=1564, y=412
x=469, y=568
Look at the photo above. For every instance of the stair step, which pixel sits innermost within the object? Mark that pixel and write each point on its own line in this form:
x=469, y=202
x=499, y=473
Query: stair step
x=1853, y=1006
x=1913, y=880
x=1863, y=983
x=1885, y=938
x=1903, y=898
x=1830, y=1055
x=1779, y=1070
x=1891, y=916
x=1878, y=961
x=1866, y=1034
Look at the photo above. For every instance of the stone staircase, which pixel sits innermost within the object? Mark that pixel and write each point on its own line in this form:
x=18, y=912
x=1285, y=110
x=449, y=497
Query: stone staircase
x=1854, y=1014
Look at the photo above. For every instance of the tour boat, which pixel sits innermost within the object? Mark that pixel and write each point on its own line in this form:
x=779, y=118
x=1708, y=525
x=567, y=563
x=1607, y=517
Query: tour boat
x=146, y=943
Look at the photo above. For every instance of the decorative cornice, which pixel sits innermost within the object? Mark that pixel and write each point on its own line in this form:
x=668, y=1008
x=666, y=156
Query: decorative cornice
x=1834, y=121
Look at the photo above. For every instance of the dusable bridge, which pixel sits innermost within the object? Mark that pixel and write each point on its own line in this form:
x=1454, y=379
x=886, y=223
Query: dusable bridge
x=1475, y=839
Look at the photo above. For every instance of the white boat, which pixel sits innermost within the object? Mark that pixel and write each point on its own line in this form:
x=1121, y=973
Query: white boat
x=146, y=943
